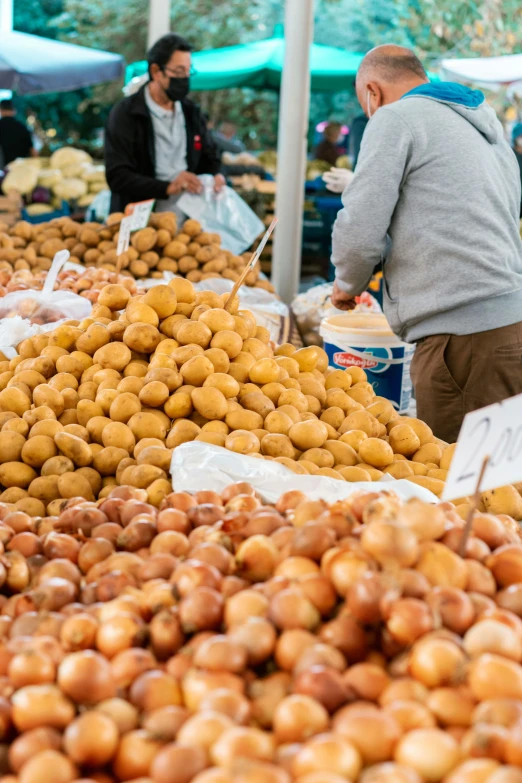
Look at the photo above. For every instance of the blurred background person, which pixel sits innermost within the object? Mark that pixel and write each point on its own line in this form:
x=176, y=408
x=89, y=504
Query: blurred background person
x=357, y=129
x=328, y=149
x=15, y=138
x=227, y=140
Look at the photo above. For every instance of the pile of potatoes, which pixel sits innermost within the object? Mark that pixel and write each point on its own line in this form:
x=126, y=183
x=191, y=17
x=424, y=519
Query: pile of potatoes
x=105, y=401
x=190, y=253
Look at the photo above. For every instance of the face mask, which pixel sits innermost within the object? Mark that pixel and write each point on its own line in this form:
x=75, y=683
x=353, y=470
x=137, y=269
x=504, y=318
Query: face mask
x=178, y=89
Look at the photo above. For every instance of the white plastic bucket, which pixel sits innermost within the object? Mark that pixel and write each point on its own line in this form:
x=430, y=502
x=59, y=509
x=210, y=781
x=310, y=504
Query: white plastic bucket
x=366, y=340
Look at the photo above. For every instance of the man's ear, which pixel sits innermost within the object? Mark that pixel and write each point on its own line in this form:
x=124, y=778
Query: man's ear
x=376, y=94
x=154, y=71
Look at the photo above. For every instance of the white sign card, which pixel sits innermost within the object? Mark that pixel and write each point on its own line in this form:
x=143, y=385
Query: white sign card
x=494, y=432
x=140, y=212
x=124, y=235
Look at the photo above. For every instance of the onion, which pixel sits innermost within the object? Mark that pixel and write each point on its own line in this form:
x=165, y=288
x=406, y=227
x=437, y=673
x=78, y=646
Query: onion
x=180, y=500
x=490, y=529
x=436, y=661
x=366, y=680
x=291, y=609
x=266, y=695
x=291, y=500
x=312, y=540
x=129, y=664
x=26, y=543
x=197, y=685
x=173, y=519
x=430, y=752
x=320, y=655
x=451, y=706
x=135, y=754
x=59, y=545
x=485, y=740
x=203, y=729
x=473, y=771
x=410, y=714
x=364, y=598
x=453, y=606
x=511, y=598
x=230, y=703
x=123, y=714
x=30, y=743
x=213, y=775
x=328, y=753
x=177, y=764
x=91, y=739
x=493, y=677
x=298, y=717
x=165, y=722
x=290, y=645
x=153, y=690
x=506, y=564
x=347, y=635
x=361, y=723
x=257, y=637
x=319, y=591
x=30, y=667
x=389, y=773
x=244, y=605
x=504, y=712
x=324, y=685
x=344, y=569
x=390, y=544
x=41, y=706
x=408, y=619
x=47, y=766
x=86, y=677
x=78, y=632
x=242, y=742
x=219, y=653
x=441, y=566
x=491, y=636
x=426, y=521
x=506, y=774
x=201, y=610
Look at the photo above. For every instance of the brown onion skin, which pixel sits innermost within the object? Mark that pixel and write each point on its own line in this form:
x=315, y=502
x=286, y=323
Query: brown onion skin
x=86, y=677
x=129, y=664
x=347, y=635
x=165, y=722
x=31, y=742
x=323, y=684
x=187, y=762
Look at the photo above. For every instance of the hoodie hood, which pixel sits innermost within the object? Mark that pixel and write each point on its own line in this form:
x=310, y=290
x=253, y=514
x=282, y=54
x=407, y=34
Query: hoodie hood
x=469, y=103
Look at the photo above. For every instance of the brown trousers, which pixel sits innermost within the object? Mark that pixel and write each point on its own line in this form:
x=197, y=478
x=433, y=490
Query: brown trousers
x=454, y=375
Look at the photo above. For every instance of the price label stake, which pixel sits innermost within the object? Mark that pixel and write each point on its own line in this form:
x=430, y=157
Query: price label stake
x=251, y=264
x=140, y=212
x=489, y=450
x=123, y=241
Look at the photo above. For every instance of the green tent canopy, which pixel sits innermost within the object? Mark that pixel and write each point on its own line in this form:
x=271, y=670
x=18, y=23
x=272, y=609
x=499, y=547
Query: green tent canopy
x=260, y=65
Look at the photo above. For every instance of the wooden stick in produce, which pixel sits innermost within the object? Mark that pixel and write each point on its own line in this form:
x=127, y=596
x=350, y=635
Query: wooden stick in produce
x=251, y=264
x=474, y=505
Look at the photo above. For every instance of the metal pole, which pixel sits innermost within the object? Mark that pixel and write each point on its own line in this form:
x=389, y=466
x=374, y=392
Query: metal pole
x=6, y=16
x=291, y=150
x=159, y=20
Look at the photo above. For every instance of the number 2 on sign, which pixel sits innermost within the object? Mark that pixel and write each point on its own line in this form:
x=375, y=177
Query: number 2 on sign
x=494, y=431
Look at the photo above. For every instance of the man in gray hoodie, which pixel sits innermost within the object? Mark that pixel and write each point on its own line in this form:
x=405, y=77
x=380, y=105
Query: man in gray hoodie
x=436, y=195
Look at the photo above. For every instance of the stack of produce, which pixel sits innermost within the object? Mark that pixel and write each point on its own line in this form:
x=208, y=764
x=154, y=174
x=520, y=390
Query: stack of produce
x=159, y=248
x=220, y=640
x=108, y=399
x=87, y=283
x=68, y=175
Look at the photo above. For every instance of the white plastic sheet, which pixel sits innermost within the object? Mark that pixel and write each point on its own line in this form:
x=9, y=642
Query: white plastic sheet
x=223, y=213
x=196, y=466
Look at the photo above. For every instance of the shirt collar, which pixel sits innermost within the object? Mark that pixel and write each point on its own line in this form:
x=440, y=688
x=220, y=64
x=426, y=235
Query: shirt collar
x=157, y=110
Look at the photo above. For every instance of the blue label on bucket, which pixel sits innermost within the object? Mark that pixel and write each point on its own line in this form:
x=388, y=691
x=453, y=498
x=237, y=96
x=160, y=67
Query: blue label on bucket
x=387, y=369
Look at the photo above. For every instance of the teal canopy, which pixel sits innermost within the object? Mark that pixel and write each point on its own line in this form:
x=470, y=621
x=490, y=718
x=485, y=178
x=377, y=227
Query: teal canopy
x=260, y=65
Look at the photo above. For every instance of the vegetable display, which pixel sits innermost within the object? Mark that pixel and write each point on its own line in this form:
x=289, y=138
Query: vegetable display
x=159, y=248
x=216, y=639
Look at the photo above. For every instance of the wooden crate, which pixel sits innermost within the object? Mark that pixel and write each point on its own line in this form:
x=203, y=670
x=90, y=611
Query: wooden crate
x=10, y=208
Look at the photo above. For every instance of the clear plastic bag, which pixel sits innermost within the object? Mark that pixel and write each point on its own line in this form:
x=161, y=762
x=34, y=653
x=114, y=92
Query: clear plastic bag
x=223, y=213
x=196, y=466
x=310, y=307
x=45, y=308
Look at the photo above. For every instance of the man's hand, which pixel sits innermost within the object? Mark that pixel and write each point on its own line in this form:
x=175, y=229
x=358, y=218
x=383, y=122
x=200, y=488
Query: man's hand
x=219, y=183
x=341, y=300
x=186, y=181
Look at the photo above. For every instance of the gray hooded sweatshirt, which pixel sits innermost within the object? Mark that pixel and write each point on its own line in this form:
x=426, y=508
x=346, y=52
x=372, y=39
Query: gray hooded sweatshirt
x=437, y=194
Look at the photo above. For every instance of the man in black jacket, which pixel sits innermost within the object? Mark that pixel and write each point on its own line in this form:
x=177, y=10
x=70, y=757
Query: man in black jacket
x=157, y=141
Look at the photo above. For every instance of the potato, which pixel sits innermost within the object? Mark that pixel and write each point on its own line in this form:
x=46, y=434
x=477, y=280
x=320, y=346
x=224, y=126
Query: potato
x=45, y=488
x=243, y=442
x=430, y=452
x=342, y=453
x=37, y=450
x=322, y=458
x=308, y=434
x=137, y=311
x=175, y=250
x=115, y=297
x=376, y=452
x=147, y=425
x=194, y=332
x=277, y=445
x=11, y=446
x=119, y=435
x=400, y=470
x=228, y=341
x=75, y=448
x=404, y=440
x=15, y=401
x=162, y=299
x=107, y=460
x=16, y=474
x=447, y=456
x=258, y=402
x=361, y=420
x=264, y=371
x=73, y=485
x=114, y=356
x=55, y=466
x=278, y=422
x=144, y=240
x=355, y=474
x=210, y=402
x=432, y=484
x=503, y=500
x=196, y=370
x=244, y=420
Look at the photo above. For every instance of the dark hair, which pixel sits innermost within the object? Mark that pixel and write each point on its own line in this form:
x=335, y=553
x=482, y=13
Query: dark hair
x=7, y=105
x=161, y=52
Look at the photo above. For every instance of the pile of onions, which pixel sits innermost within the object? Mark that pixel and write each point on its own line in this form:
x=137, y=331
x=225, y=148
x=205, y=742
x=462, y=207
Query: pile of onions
x=220, y=640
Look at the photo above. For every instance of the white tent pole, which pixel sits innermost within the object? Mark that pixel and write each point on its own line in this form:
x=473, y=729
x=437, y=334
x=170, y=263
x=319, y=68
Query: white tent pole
x=6, y=15
x=291, y=151
x=159, y=20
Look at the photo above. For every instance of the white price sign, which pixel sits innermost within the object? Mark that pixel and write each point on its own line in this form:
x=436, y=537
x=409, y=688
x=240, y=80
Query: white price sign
x=494, y=432
x=124, y=235
x=140, y=213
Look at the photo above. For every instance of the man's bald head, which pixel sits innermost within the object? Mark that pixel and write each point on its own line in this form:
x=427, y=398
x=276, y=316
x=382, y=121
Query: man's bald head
x=386, y=74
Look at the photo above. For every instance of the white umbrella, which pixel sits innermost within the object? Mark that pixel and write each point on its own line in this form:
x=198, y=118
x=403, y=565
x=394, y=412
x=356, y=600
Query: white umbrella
x=30, y=65
x=490, y=72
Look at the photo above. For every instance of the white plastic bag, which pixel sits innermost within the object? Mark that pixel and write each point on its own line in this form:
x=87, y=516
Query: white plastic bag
x=310, y=307
x=223, y=213
x=26, y=313
x=197, y=465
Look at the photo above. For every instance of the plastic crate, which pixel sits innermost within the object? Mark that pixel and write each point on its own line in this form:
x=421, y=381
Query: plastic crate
x=57, y=213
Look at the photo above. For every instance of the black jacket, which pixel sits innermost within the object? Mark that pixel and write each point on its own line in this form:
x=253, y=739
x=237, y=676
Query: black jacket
x=129, y=151
x=15, y=140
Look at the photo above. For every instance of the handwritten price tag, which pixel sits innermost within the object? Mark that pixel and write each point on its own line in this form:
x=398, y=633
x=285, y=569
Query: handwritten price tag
x=494, y=432
x=124, y=236
x=140, y=212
